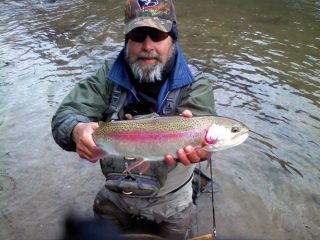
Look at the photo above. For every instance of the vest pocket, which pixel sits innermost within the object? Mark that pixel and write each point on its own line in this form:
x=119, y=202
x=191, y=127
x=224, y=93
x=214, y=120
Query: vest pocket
x=132, y=185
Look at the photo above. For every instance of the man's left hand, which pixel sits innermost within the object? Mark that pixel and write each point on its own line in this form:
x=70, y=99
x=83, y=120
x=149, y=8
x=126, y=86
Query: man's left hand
x=188, y=154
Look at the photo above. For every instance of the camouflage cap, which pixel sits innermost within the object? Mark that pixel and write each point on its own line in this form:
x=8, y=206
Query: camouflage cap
x=159, y=14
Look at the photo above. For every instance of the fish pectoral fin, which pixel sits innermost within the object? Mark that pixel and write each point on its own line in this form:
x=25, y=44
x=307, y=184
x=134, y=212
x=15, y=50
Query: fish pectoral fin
x=209, y=148
x=209, y=156
x=142, y=164
x=143, y=167
x=99, y=153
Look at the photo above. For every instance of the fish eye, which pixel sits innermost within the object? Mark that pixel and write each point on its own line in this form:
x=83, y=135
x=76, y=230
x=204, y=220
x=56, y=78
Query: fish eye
x=235, y=129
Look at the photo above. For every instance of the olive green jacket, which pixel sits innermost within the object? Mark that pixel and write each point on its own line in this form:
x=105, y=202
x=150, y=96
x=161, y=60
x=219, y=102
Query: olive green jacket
x=90, y=98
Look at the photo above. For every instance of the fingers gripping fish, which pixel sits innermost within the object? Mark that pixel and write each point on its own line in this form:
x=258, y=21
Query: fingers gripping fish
x=147, y=140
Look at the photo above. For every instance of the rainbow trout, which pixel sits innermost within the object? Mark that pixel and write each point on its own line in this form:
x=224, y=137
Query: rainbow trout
x=150, y=139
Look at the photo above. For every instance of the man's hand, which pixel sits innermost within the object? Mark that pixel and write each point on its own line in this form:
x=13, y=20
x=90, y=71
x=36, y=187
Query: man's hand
x=188, y=154
x=82, y=136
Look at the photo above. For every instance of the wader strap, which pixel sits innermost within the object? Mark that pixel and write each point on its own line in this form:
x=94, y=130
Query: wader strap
x=169, y=106
x=118, y=99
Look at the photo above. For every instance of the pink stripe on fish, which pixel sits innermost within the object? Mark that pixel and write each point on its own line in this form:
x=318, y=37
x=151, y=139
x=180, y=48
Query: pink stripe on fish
x=138, y=136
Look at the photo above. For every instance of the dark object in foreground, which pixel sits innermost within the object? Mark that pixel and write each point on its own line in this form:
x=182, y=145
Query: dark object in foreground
x=77, y=228
x=80, y=228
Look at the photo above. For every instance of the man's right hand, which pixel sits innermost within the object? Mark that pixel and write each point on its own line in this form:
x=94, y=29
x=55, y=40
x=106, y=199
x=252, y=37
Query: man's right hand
x=82, y=136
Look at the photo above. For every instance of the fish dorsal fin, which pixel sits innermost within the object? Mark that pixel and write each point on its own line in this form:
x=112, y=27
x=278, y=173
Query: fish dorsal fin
x=146, y=116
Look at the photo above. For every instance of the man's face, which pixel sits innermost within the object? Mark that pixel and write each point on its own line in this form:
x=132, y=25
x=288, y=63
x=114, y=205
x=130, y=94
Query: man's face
x=147, y=52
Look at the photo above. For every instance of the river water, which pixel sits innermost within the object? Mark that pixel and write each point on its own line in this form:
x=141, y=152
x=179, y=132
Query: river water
x=263, y=58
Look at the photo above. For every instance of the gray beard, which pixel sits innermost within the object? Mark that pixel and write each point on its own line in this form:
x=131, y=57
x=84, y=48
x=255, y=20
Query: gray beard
x=148, y=73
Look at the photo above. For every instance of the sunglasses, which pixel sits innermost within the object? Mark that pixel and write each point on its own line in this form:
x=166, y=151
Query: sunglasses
x=139, y=35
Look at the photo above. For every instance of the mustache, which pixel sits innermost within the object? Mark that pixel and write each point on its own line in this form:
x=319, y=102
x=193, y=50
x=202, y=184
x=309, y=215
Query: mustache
x=149, y=55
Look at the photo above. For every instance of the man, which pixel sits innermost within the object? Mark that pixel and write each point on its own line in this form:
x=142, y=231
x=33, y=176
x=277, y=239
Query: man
x=149, y=75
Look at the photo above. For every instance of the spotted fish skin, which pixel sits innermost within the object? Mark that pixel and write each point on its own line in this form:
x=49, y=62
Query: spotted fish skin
x=150, y=139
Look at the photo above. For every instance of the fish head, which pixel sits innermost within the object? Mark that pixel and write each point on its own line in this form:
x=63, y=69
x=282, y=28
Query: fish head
x=225, y=133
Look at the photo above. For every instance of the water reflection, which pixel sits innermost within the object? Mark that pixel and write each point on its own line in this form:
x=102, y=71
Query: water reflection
x=263, y=60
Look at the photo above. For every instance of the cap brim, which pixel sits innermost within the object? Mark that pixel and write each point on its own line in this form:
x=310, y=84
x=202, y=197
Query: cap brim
x=160, y=24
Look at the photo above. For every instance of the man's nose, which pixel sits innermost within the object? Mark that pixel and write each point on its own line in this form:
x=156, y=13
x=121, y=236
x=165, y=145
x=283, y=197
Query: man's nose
x=148, y=44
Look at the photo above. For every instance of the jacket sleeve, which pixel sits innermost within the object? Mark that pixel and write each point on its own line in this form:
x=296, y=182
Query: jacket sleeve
x=86, y=102
x=198, y=97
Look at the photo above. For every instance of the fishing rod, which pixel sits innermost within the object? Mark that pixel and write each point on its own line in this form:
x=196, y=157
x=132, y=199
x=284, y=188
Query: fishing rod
x=214, y=227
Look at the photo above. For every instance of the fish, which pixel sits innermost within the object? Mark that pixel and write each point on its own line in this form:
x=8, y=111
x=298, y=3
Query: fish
x=149, y=139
